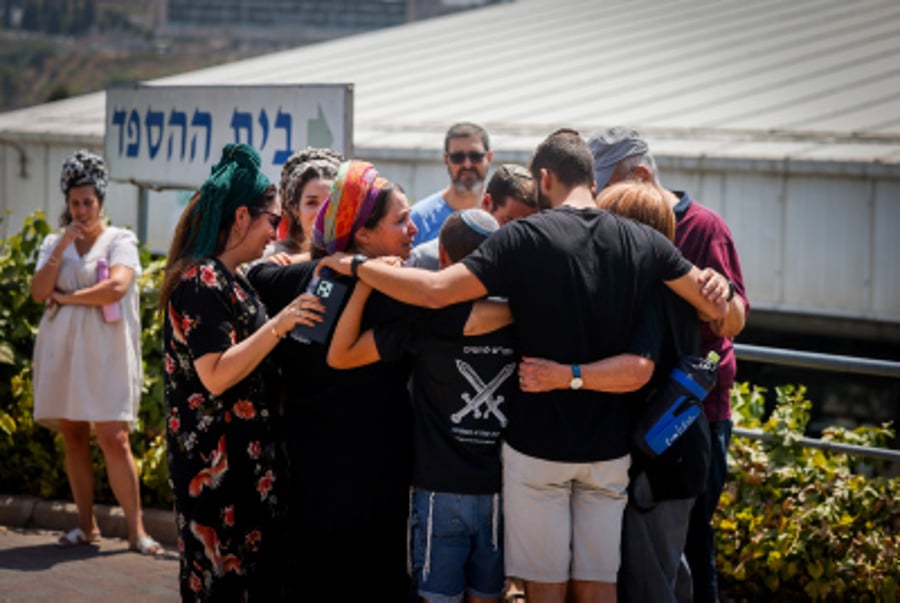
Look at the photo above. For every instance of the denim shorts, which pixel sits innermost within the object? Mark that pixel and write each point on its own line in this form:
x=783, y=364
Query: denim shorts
x=457, y=545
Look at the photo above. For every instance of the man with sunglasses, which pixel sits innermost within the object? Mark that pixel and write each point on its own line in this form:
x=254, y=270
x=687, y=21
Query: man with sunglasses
x=467, y=155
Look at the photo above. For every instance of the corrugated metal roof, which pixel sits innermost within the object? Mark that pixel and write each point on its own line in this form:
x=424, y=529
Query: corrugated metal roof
x=808, y=80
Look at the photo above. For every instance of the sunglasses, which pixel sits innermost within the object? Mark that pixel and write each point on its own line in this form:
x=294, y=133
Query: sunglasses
x=459, y=157
x=274, y=219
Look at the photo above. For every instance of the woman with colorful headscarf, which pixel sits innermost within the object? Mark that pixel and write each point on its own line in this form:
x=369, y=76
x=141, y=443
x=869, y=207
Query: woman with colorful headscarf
x=306, y=179
x=349, y=433
x=224, y=461
x=87, y=373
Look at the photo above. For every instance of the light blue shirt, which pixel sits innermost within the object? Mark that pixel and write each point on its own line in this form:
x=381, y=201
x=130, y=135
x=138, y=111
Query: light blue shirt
x=426, y=255
x=429, y=215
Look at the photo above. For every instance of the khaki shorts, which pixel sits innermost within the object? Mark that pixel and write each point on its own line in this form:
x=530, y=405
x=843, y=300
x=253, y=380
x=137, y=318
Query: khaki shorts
x=563, y=520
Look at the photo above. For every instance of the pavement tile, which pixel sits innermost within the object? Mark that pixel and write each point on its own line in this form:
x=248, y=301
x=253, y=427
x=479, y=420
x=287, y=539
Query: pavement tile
x=34, y=568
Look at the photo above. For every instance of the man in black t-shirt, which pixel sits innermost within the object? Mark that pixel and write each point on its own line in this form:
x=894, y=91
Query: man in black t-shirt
x=577, y=280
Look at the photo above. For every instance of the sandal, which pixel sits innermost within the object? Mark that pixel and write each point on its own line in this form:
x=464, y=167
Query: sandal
x=145, y=545
x=77, y=537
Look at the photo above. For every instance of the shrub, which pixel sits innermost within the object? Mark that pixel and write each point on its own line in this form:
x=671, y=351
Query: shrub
x=802, y=523
x=33, y=461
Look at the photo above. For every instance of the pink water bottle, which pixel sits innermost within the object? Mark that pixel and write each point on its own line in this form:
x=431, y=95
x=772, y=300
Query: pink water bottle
x=111, y=312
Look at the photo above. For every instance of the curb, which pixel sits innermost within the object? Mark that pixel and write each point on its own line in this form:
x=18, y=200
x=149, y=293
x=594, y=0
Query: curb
x=32, y=512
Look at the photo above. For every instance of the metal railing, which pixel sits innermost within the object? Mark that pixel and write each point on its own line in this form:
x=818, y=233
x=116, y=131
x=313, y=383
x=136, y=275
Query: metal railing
x=815, y=360
x=826, y=362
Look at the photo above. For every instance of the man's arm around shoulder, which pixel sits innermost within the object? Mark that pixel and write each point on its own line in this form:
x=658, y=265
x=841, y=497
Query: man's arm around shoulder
x=414, y=286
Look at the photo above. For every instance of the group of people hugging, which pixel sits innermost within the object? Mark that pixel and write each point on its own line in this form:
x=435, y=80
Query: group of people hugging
x=459, y=433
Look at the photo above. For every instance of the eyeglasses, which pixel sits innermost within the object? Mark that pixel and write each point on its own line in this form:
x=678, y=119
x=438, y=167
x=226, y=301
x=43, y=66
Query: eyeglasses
x=459, y=157
x=274, y=219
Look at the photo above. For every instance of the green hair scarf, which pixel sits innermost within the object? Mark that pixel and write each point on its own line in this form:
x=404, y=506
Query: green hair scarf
x=235, y=180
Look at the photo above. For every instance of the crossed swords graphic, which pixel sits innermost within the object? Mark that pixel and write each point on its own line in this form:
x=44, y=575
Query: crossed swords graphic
x=484, y=393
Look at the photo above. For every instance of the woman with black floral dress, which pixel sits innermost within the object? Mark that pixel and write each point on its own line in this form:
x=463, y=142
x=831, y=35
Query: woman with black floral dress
x=223, y=458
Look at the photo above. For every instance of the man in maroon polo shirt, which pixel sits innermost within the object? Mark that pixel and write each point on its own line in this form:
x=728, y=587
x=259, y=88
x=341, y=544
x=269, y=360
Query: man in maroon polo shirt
x=705, y=240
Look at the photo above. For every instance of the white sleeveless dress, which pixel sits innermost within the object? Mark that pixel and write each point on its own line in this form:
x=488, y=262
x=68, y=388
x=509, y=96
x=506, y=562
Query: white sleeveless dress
x=84, y=368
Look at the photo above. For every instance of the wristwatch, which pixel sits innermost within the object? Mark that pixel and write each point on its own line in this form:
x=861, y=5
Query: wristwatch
x=358, y=259
x=576, y=381
x=730, y=291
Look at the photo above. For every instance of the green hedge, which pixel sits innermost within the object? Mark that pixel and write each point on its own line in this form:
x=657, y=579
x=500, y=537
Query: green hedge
x=800, y=523
x=793, y=523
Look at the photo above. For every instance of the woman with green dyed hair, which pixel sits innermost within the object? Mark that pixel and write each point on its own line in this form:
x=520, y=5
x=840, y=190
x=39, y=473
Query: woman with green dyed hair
x=225, y=468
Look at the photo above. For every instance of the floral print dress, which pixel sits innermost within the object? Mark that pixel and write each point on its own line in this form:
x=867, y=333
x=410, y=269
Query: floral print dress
x=222, y=451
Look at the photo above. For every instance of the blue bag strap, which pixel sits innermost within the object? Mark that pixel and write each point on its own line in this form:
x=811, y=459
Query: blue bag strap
x=689, y=384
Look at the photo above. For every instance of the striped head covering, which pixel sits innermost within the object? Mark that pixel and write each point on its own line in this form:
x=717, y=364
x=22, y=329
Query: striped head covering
x=349, y=205
x=301, y=168
x=235, y=180
x=325, y=162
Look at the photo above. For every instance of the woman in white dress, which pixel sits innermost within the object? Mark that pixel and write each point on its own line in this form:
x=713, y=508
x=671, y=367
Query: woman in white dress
x=87, y=371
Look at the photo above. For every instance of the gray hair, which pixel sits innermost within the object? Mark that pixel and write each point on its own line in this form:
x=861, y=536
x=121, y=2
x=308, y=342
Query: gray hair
x=645, y=160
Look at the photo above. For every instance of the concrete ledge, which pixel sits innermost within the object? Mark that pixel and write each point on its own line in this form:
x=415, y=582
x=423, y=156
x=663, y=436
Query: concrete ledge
x=161, y=525
x=17, y=511
x=32, y=512
x=54, y=515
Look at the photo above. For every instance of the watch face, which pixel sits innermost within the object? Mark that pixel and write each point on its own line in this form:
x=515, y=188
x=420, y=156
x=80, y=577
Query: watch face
x=576, y=383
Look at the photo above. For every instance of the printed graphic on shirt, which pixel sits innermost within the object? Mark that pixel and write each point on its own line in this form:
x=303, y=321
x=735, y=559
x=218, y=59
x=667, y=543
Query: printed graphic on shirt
x=483, y=403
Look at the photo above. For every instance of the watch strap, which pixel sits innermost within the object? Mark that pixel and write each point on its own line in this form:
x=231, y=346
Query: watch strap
x=355, y=262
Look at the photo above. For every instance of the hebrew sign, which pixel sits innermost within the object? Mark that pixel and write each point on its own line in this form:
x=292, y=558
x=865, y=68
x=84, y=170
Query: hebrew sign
x=170, y=136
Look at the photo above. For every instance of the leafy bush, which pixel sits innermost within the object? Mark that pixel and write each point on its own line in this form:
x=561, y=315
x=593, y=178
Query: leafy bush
x=802, y=523
x=33, y=461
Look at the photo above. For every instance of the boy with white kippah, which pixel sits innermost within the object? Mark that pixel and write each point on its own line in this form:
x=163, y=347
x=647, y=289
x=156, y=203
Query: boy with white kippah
x=509, y=195
x=460, y=386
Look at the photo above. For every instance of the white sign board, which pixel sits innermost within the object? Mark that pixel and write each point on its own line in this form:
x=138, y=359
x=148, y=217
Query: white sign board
x=170, y=136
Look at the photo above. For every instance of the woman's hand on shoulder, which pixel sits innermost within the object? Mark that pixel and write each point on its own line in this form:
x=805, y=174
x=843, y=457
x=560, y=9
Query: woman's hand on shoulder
x=299, y=258
x=338, y=261
x=281, y=258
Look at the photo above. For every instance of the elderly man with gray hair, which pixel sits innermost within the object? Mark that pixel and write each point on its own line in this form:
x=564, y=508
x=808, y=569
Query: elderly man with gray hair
x=704, y=239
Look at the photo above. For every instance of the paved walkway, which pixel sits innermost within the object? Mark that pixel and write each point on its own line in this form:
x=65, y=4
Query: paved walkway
x=34, y=568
